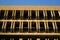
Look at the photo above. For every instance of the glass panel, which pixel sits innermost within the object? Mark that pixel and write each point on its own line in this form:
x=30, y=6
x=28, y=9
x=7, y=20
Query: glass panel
x=56, y=15
x=33, y=25
x=58, y=26
x=16, y=26
x=2, y=14
x=1, y=23
x=50, y=25
x=17, y=14
x=7, y=38
x=41, y=15
x=49, y=16
x=8, y=26
x=25, y=15
x=25, y=26
x=42, y=27
x=9, y=14
x=33, y=14
x=16, y=38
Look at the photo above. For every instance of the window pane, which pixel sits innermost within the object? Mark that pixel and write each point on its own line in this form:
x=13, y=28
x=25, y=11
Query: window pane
x=7, y=38
x=16, y=38
x=42, y=27
x=58, y=26
x=51, y=38
x=25, y=38
x=33, y=26
x=17, y=14
x=49, y=16
x=25, y=26
x=1, y=23
x=41, y=15
x=16, y=26
x=33, y=38
x=56, y=14
x=8, y=26
x=9, y=14
x=2, y=14
x=50, y=25
x=25, y=15
x=33, y=14
x=42, y=38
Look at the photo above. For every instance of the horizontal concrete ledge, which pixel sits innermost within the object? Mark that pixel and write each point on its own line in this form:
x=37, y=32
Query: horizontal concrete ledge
x=52, y=34
x=31, y=20
x=29, y=7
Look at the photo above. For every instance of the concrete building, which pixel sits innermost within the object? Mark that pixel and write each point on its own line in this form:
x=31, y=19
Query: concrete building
x=29, y=22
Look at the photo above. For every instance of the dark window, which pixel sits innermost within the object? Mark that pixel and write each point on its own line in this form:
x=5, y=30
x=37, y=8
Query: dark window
x=16, y=38
x=33, y=14
x=56, y=15
x=50, y=25
x=41, y=15
x=1, y=23
x=25, y=26
x=33, y=38
x=7, y=38
x=42, y=28
x=42, y=38
x=25, y=15
x=9, y=14
x=25, y=38
x=58, y=26
x=49, y=16
x=33, y=26
x=51, y=38
x=17, y=14
x=2, y=14
x=16, y=26
x=8, y=26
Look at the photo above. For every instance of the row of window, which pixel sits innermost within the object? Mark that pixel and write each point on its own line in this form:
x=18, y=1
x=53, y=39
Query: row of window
x=33, y=38
x=33, y=14
x=29, y=26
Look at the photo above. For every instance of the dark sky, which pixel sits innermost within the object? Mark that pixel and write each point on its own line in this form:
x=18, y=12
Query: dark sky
x=29, y=2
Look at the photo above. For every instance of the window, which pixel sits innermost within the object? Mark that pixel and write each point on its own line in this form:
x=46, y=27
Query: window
x=42, y=28
x=16, y=38
x=56, y=14
x=25, y=38
x=25, y=15
x=33, y=14
x=8, y=26
x=25, y=26
x=51, y=38
x=2, y=14
x=16, y=27
x=17, y=14
x=1, y=23
x=9, y=16
x=33, y=25
x=41, y=15
x=50, y=25
x=34, y=38
x=42, y=38
x=7, y=38
x=49, y=16
x=58, y=26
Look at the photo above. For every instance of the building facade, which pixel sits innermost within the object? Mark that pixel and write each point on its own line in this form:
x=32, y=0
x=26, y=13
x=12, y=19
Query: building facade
x=29, y=22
